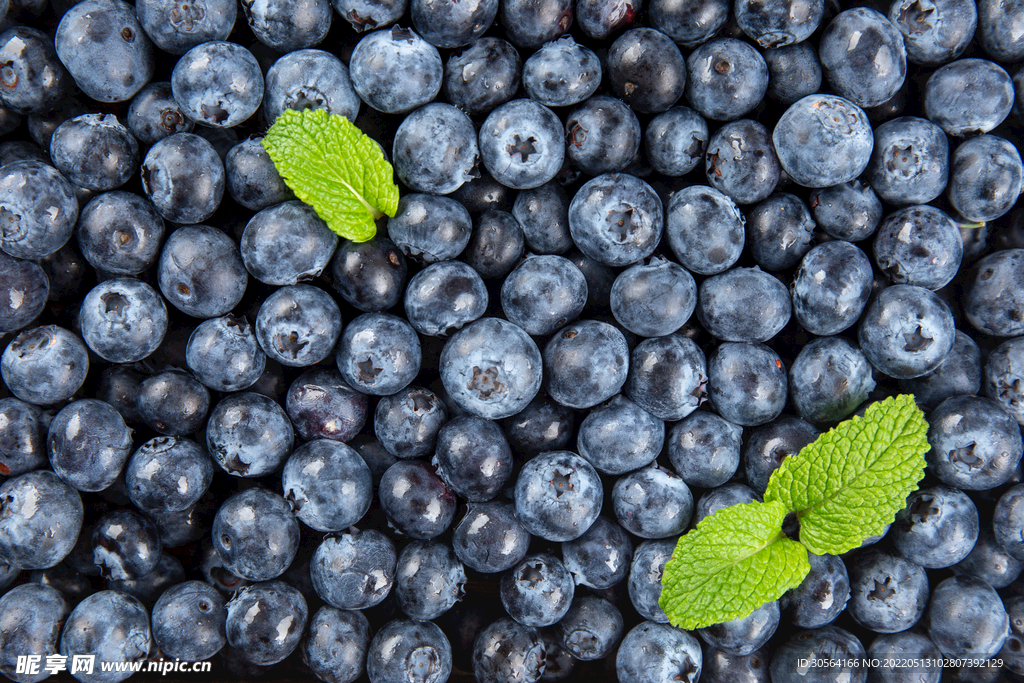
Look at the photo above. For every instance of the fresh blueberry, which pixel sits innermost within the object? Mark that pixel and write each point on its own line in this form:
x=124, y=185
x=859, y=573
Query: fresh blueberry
x=394, y=70
x=906, y=332
x=430, y=228
x=175, y=26
x=744, y=635
x=265, y=621
x=34, y=79
x=286, y=244
x=960, y=373
x=482, y=75
x=653, y=300
x=824, y=140
x=590, y=629
x=934, y=31
x=937, y=528
x=490, y=538
x=298, y=325
x=429, y=579
x=366, y=15
x=224, y=355
x=473, y=457
x=173, y=402
x=829, y=379
x=722, y=497
x=821, y=596
x=188, y=621
x=603, y=135
x=126, y=545
x=990, y=562
x=449, y=25
x=379, y=354
x=726, y=78
x=95, y=151
x=831, y=287
x=779, y=231
x=996, y=32
x=1008, y=522
x=985, y=178
x=776, y=25
x=689, y=24
x=966, y=618
x=183, y=176
x=369, y=275
x=543, y=293
x=667, y=376
x=704, y=449
x=720, y=667
x=112, y=627
x=120, y=233
x=521, y=144
x=742, y=162
x=975, y=444
x=769, y=445
x=508, y=652
x=336, y=643
x=543, y=425
x=847, y=211
x=585, y=363
x=321, y=405
x=651, y=652
x=968, y=97
x=705, y=229
x=409, y=649
x=354, y=570
x=746, y=383
x=601, y=557
x=23, y=429
x=415, y=500
x=619, y=436
x=154, y=114
x=645, y=574
x=914, y=654
x=652, y=503
x=123, y=320
x=407, y=422
x=558, y=496
x=537, y=591
x=255, y=534
x=676, y=140
x=562, y=73
x=794, y=72
x=919, y=245
x=743, y=305
x=530, y=24
x=888, y=594
x=38, y=209
x=44, y=365
x=992, y=302
x=289, y=25
x=88, y=444
x=252, y=180
x=863, y=57
x=34, y=614
x=248, y=435
x=646, y=69
x=838, y=653
x=168, y=474
x=616, y=219
x=40, y=518
x=24, y=292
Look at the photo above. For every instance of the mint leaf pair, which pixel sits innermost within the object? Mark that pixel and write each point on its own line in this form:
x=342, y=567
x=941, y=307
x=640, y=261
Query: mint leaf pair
x=335, y=168
x=845, y=487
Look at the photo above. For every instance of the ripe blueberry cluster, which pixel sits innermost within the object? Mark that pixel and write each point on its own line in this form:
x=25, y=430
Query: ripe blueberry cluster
x=644, y=252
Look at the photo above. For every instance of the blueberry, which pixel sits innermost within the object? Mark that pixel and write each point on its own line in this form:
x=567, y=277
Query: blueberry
x=746, y=383
x=847, y=211
x=298, y=325
x=779, y=231
x=918, y=654
x=379, y=354
x=490, y=538
x=726, y=78
x=473, y=457
x=651, y=652
x=521, y=144
x=321, y=405
x=829, y=379
x=743, y=636
x=286, y=244
x=120, y=233
x=676, y=140
x=252, y=180
x=996, y=31
x=429, y=579
x=831, y=287
x=255, y=534
x=603, y=135
x=482, y=75
x=966, y=617
x=44, y=365
x=562, y=73
x=394, y=70
x=366, y=15
x=112, y=627
x=289, y=25
x=934, y=31
x=968, y=96
x=646, y=69
x=906, y=332
x=990, y=562
x=265, y=621
x=794, y=72
x=645, y=574
x=919, y=245
x=34, y=616
x=991, y=303
x=126, y=545
x=985, y=178
x=823, y=140
x=38, y=209
x=667, y=376
x=937, y=528
x=704, y=449
x=558, y=496
x=530, y=24
x=24, y=291
x=407, y=422
x=616, y=219
x=543, y=425
x=88, y=444
x=34, y=79
x=369, y=275
x=688, y=23
x=585, y=363
x=415, y=500
x=590, y=629
x=248, y=435
x=154, y=114
x=172, y=402
x=960, y=373
x=314, y=475
x=449, y=25
x=537, y=591
x=40, y=518
x=354, y=570
x=444, y=297
x=336, y=643
x=743, y=305
x=768, y=446
x=741, y=161
x=705, y=229
x=652, y=502
x=168, y=474
x=123, y=320
x=175, y=26
x=821, y=596
x=430, y=228
x=497, y=244
x=778, y=24
x=95, y=151
x=508, y=652
x=543, y=293
x=183, y=176
x=863, y=57
x=491, y=368
x=720, y=667
x=620, y=436
x=653, y=300
x=218, y=83
x=601, y=557
x=888, y=594
x=224, y=354
x=105, y=49
x=601, y=18
x=23, y=429
x=976, y=445
x=1008, y=522
x=410, y=649
x=839, y=653
x=188, y=621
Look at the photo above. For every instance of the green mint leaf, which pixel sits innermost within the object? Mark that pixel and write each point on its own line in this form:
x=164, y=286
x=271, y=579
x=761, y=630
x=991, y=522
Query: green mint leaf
x=851, y=482
x=335, y=168
x=734, y=561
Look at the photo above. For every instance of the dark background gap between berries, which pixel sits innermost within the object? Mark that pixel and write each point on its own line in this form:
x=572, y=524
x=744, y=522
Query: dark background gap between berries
x=640, y=350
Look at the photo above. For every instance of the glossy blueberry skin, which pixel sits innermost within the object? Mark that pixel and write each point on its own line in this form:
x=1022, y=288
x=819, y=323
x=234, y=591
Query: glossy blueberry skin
x=34, y=79
x=34, y=614
x=44, y=365
x=1002, y=377
x=652, y=502
x=722, y=497
x=704, y=449
x=778, y=24
x=992, y=302
x=744, y=635
x=847, y=211
x=969, y=96
x=123, y=320
x=543, y=293
x=452, y=25
x=562, y=73
x=482, y=75
x=188, y=621
x=521, y=144
x=888, y=594
x=148, y=588
x=218, y=83
x=265, y=621
x=394, y=70
x=934, y=31
x=113, y=627
x=919, y=245
x=407, y=422
x=741, y=162
x=289, y=25
x=224, y=355
x=743, y=305
x=378, y=354
x=529, y=25
x=286, y=244
x=444, y=297
x=23, y=429
x=369, y=275
x=726, y=78
x=585, y=363
x=689, y=24
x=24, y=292
x=996, y=31
x=616, y=219
x=336, y=643
x=429, y=579
x=835, y=140
x=967, y=616
x=167, y=475
x=705, y=229
x=94, y=151
x=619, y=436
x=873, y=70
x=653, y=652
x=779, y=231
x=366, y=15
x=309, y=78
x=675, y=141
x=768, y=446
x=990, y=562
x=829, y=379
x=720, y=667
x=645, y=574
x=175, y=26
x=491, y=368
x=794, y=72
x=960, y=373
x=430, y=228
x=120, y=233
x=603, y=135
x=327, y=484
x=908, y=646
x=937, y=529
x=831, y=287
x=489, y=538
x=126, y=545
x=28, y=539
x=172, y=402
x=416, y=500
x=183, y=176
x=508, y=652
x=985, y=178
x=248, y=435
x=821, y=596
x=105, y=49
x=154, y=114
x=590, y=629
x=976, y=444
x=28, y=189
x=255, y=534
x=746, y=383
x=646, y=70
x=321, y=405
x=558, y=496
x=601, y=557
x=411, y=650
x=497, y=243
x=1008, y=522
x=910, y=161
x=655, y=299
x=836, y=645
x=667, y=376
x=537, y=591
x=252, y=180
x=473, y=457
x=88, y=443
x=600, y=19
x=298, y=325
x=906, y=332
x=354, y=570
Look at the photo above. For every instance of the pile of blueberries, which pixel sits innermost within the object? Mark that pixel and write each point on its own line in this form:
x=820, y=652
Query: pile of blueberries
x=644, y=252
